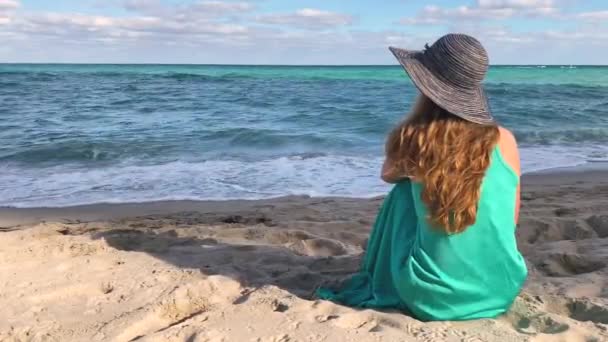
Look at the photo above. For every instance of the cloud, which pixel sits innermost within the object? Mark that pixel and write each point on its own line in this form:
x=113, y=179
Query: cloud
x=204, y=20
x=596, y=16
x=238, y=31
x=503, y=34
x=308, y=18
x=85, y=29
x=144, y=6
x=7, y=9
x=198, y=9
x=569, y=37
x=221, y=7
x=6, y=5
x=507, y=45
x=515, y=4
x=484, y=10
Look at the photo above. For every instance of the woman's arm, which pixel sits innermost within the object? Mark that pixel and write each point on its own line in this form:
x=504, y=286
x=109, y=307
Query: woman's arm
x=390, y=174
x=508, y=148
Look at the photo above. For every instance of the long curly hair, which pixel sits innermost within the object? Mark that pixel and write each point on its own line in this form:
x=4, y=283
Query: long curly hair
x=448, y=156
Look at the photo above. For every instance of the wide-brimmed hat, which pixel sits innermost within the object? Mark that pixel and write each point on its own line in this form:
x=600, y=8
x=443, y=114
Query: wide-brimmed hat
x=450, y=73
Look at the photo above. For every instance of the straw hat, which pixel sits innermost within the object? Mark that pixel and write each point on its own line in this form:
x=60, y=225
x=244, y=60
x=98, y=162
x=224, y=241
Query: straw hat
x=450, y=73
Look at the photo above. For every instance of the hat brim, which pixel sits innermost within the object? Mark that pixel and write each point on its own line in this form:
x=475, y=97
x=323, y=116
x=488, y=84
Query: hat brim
x=468, y=104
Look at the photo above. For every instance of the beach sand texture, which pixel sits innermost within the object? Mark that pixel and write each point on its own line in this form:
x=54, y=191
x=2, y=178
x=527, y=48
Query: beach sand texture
x=245, y=271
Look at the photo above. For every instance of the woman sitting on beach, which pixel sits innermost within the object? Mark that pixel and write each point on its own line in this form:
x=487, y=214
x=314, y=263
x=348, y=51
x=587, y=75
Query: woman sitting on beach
x=443, y=246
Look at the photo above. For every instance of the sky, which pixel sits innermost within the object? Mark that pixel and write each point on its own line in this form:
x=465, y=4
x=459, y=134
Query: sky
x=286, y=32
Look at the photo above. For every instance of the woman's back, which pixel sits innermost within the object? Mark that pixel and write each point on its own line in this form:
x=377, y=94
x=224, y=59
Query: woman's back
x=473, y=274
x=424, y=271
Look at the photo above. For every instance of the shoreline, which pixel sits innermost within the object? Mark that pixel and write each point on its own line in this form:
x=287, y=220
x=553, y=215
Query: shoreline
x=179, y=181
x=11, y=216
x=589, y=166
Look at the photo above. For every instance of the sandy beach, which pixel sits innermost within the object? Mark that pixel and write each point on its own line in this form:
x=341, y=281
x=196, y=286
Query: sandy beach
x=245, y=271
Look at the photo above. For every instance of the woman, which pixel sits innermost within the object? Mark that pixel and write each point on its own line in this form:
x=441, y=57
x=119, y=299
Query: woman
x=443, y=246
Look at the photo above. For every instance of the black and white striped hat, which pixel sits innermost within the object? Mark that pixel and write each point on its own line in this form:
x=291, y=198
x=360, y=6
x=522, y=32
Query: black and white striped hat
x=450, y=73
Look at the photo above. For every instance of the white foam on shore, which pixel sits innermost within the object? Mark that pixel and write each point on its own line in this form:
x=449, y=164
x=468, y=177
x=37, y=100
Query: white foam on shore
x=540, y=158
x=327, y=175
x=210, y=180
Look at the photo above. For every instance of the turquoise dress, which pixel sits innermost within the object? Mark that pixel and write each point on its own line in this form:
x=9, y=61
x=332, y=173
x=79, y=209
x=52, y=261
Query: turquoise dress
x=412, y=267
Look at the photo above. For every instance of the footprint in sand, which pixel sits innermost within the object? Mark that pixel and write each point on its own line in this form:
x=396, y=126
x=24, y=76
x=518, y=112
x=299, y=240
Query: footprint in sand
x=321, y=311
x=599, y=223
x=356, y=320
x=540, y=323
x=472, y=339
x=575, y=230
x=245, y=233
x=278, y=338
x=556, y=230
x=428, y=334
x=319, y=247
x=280, y=237
x=566, y=264
x=106, y=287
x=192, y=301
x=528, y=317
x=584, y=311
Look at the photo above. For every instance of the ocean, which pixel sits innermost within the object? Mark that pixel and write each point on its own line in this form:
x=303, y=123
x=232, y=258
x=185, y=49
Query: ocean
x=82, y=134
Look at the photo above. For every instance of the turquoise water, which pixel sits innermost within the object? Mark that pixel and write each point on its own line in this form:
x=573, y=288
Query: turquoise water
x=75, y=134
x=555, y=75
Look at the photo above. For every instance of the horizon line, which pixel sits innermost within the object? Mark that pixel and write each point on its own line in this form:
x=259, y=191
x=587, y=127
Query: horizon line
x=272, y=65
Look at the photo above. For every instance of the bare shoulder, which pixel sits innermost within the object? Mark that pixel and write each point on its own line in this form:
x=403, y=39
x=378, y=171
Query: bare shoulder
x=506, y=137
x=508, y=148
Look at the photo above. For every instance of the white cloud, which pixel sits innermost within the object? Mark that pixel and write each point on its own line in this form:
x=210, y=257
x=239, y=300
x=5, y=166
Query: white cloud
x=145, y=6
x=83, y=27
x=211, y=19
x=308, y=18
x=506, y=34
x=484, y=9
x=8, y=5
x=594, y=16
x=514, y=4
x=221, y=7
x=237, y=32
x=197, y=9
x=7, y=11
x=578, y=36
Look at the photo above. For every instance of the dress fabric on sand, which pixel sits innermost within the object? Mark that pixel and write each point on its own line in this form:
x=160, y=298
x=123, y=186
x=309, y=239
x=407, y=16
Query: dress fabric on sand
x=413, y=267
